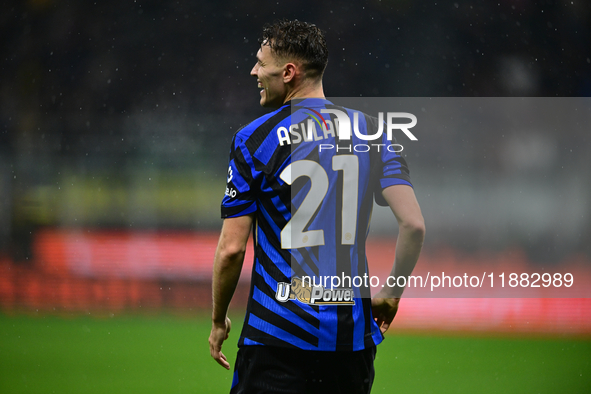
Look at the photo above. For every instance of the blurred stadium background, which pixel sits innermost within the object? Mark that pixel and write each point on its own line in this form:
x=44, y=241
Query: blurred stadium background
x=115, y=124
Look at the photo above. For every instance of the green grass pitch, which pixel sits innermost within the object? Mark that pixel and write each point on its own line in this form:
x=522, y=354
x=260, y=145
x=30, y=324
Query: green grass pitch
x=166, y=354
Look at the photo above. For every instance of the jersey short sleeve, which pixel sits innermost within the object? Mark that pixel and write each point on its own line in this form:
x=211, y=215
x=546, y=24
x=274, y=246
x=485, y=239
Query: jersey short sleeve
x=241, y=185
x=392, y=168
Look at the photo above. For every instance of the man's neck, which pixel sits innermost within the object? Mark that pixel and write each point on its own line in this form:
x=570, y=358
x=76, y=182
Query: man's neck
x=310, y=91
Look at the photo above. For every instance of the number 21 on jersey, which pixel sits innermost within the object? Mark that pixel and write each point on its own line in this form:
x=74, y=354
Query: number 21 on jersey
x=293, y=234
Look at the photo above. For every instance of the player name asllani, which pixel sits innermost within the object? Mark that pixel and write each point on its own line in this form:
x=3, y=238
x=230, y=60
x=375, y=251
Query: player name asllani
x=307, y=131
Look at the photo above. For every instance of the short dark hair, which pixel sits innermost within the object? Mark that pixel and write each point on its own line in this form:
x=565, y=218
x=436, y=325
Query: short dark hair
x=300, y=40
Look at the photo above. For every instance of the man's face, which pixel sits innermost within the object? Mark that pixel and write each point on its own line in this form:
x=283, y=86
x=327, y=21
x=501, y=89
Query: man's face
x=269, y=76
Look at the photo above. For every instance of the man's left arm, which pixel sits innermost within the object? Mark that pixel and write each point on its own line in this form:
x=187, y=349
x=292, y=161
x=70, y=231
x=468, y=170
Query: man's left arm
x=402, y=201
x=229, y=257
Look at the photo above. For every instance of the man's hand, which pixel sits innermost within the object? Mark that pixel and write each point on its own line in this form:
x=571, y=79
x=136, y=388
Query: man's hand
x=384, y=310
x=219, y=333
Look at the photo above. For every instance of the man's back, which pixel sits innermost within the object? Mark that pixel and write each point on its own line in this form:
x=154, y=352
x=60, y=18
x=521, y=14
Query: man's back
x=313, y=206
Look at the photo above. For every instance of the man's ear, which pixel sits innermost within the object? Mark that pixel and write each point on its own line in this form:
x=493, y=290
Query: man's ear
x=289, y=72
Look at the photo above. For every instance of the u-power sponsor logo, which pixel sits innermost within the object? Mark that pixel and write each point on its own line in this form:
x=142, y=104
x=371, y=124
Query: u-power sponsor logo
x=313, y=294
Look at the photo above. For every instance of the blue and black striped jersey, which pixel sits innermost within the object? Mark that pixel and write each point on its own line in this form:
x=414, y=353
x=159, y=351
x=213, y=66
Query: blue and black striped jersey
x=312, y=193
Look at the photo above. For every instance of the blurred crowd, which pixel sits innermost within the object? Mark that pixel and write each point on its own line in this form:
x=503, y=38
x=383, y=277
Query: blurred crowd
x=71, y=68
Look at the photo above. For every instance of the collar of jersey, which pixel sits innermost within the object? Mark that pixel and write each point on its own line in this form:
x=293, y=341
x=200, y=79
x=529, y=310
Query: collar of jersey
x=308, y=102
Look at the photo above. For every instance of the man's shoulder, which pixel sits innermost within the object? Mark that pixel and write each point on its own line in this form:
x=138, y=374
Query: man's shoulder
x=262, y=125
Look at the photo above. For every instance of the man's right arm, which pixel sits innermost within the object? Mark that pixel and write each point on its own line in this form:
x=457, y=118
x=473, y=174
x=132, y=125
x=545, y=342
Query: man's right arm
x=404, y=205
x=228, y=260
